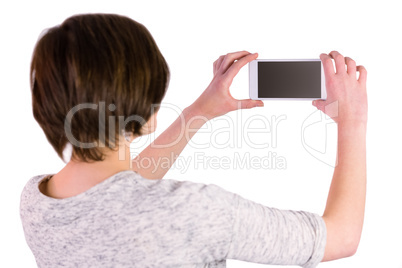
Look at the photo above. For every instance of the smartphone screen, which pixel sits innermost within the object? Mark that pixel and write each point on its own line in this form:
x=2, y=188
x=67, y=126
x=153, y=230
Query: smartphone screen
x=289, y=79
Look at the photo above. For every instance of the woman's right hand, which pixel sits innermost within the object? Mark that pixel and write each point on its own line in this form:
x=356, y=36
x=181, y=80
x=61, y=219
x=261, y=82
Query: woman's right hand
x=346, y=95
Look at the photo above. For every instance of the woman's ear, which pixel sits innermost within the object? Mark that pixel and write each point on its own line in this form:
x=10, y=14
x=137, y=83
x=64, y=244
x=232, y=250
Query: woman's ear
x=150, y=125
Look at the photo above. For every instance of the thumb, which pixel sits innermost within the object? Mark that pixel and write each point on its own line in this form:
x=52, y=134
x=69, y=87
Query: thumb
x=320, y=104
x=248, y=103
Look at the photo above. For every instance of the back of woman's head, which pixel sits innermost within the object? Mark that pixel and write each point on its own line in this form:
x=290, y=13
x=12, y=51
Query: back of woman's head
x=90, y=74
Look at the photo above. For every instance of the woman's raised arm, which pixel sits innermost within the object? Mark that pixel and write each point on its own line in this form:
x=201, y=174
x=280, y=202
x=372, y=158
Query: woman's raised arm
x=347, y=106
x=215, y=101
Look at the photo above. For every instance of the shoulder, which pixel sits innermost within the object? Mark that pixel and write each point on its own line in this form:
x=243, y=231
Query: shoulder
x=194, y=189
x=30, y=195
x=31, y=187
x=172, y=191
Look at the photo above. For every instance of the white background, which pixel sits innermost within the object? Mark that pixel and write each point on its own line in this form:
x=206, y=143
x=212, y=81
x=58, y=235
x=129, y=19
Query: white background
x=191, y=35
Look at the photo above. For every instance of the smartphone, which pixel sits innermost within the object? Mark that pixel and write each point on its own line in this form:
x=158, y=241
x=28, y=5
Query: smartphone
x=290, y=79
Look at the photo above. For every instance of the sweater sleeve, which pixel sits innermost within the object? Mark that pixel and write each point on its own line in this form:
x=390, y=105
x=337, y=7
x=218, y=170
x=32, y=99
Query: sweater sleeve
x=272, y=236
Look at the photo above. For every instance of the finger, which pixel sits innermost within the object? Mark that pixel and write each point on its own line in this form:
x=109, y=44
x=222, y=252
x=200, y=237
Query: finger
x=363, y=73
x=235, y=68
x=339, y=61
x=218, y=63
x=248, y=103
x=327, y=64
x=351, y=66
x=230, y=58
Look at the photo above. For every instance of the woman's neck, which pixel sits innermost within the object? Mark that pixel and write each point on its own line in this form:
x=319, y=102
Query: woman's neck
x=78, y=176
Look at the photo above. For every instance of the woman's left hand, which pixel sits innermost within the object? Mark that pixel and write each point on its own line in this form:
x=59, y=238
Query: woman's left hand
x=216, y=100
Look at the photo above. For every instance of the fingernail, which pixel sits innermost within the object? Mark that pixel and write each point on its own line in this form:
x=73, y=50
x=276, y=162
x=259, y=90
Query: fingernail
x=260, y=104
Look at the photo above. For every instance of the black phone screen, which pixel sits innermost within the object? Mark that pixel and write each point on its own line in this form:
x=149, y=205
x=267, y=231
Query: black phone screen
x=289, y=79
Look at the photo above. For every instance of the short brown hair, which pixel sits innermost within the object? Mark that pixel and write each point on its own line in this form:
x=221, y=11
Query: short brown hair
x=100, y=59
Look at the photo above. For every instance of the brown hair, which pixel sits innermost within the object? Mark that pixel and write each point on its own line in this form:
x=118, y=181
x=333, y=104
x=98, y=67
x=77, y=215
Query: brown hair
x=108, y=61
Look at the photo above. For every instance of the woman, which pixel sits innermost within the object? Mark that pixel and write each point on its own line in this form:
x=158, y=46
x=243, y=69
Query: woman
x=96, y=80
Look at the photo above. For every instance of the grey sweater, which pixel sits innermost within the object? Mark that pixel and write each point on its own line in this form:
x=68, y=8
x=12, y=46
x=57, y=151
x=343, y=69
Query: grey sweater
x=130, y=221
